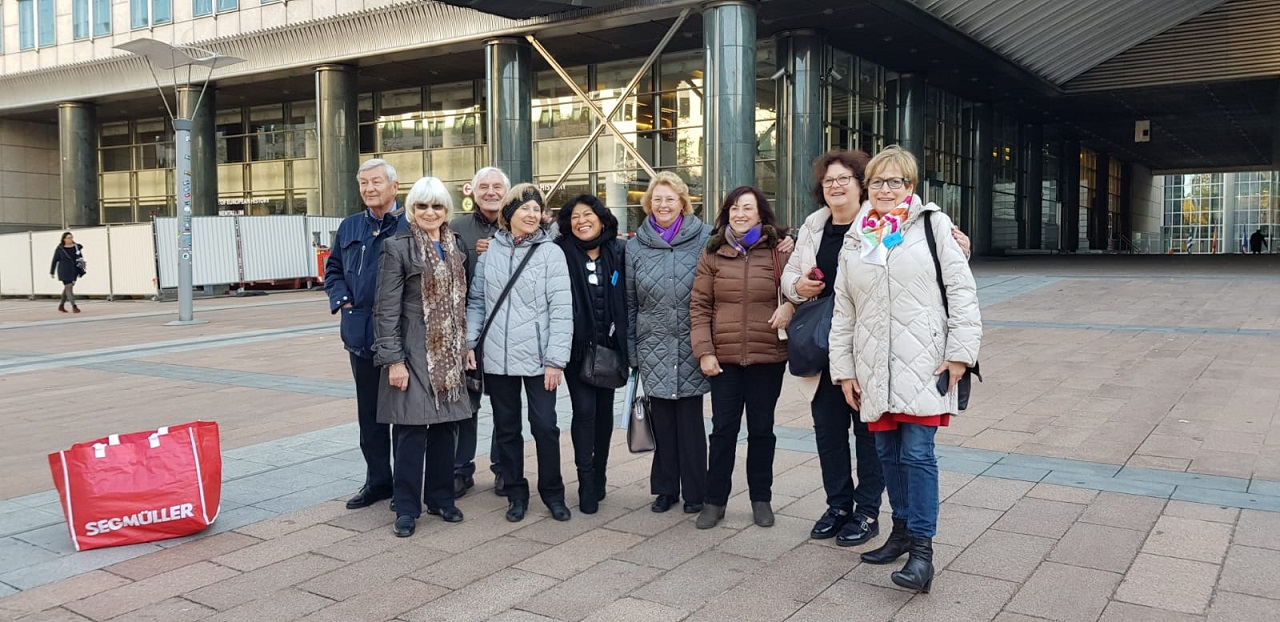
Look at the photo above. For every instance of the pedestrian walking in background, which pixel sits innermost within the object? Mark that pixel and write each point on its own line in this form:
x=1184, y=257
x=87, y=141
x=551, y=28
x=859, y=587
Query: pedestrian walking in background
x=736, y=315
x=422, y=274
x=68, y=266
x=1257, y=242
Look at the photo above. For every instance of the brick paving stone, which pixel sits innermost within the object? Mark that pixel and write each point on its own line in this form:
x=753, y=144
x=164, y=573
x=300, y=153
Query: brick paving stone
x=361, y=545
x=556, y=532
x=803, y=572
x=367, y=574
x=516, y=615
x=1006, y=616
x=1124, y=612
x=1003, y=555
x=675, y=545
x=1252, y=571
x=375, y=517
x=1202, y=511
x=382, y=602
x=1231, y=607
x=991, y=493
x=294, y=521
x=959, y=596
x=464, y=568
x=255, y=584
x=1121, y=510
x=1258, y=529
x=279, y=606
x=746, y=606
x=960, y=525
x=55, y=615
x=1188, y=538
x=284, y=547
x=636, y=610
x=474, y=531
x=168, y=610
x=949, y=482
x=565, y=560
x=1169, y=583
x=1100, y=547
x=1066, y=494
x=698, y=580
x=55, y=594
x=196, y=550
x=853, y=601
x=1065, y=593
x=1039, y=517
x=484, y=598
x=151, y=590
x=590, y=590
x=1158, y=462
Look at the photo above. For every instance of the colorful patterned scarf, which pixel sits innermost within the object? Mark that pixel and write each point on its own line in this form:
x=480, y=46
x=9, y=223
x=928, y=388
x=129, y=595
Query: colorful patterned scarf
x=444, y=308
x=881, y=233
x=742, y=243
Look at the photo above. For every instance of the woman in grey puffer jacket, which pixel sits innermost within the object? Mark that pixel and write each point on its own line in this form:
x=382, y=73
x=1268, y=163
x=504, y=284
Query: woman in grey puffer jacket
x=526, y=347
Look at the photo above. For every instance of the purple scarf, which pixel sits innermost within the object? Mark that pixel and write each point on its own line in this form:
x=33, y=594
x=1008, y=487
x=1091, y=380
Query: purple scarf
x=667, y=233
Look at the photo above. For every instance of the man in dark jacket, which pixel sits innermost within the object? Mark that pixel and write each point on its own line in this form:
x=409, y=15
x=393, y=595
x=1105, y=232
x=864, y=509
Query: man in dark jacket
x=1257, y=242
x=488, y=187
x=350, y=280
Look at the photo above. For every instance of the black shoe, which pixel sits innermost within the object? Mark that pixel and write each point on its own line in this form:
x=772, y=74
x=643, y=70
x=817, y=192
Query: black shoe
x=559, y=510
x=859, y=531
x=450, y=514
x=893, y=548
x=710, y=515
x=405, y=526
x=499, y=486
x=762, y=513
x=663, y=503
x=366, y=498
x=461, y=484
x=516, y=510
x=600, y=491
x=830, y=523
x=588, y=502
x=692, y=508
x=917, y=573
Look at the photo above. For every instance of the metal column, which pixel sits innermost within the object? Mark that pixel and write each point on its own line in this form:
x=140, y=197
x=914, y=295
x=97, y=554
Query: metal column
x=339, y=133
x=1034, y=150
x=800, y=121
x=1070, y=184
x=729, y=87
x=509, y=118
x=78, y=155
x=911, y=126
x=204, y=159
x=984, y=128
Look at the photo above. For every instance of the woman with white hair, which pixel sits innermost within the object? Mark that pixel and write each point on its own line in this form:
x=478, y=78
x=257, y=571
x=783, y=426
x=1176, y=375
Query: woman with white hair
x=420, y=344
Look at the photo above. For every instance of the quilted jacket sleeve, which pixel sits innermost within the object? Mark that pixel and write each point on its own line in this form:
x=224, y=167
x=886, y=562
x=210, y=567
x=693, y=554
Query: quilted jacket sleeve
x=964, y=327
x=702, y=306
x=476, y=304
x=633, y=305
x=806, y=246
x=560, y=307
x=388, y=344
x=842, y=328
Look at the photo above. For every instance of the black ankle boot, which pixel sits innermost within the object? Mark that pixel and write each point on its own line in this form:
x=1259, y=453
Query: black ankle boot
x=917, y=573
x=893, y=548
x=588, y=501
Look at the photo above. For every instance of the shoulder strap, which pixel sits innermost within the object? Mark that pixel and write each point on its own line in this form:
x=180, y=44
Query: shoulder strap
x=503, y=296
x=937, y=265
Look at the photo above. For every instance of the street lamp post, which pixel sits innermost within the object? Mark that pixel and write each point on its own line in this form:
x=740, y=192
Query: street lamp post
x=170, y=57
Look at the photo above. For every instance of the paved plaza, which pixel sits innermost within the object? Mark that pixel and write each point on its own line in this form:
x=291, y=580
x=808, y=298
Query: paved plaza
x=1121, y=462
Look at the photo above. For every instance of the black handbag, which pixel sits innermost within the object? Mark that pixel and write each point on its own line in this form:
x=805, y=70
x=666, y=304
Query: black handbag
x=965, y=385
x=603, y=367
x=639, y=428
x=475, y=377
x=808, y=345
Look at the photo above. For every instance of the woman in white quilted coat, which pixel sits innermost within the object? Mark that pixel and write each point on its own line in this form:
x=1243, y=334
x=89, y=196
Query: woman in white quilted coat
x=891, y=339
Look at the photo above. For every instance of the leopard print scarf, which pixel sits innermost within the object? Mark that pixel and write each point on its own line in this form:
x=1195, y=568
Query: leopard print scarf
x=444, y=307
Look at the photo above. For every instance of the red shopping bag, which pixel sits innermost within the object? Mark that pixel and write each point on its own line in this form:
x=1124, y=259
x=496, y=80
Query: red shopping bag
x=140, y=487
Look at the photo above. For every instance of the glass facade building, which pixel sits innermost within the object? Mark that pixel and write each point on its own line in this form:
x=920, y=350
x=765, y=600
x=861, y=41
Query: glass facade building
x=1212, y=213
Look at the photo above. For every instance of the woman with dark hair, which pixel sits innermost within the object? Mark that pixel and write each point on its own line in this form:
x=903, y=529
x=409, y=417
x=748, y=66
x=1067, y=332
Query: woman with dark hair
x=736, y=314
x=67, y=266
x=588, y=234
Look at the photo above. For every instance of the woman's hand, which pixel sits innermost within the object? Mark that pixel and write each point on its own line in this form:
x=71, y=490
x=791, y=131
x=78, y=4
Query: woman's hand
x=961, y=239
x=957, y=371
x=809, y=288
x=710, y=365
x=471, y=359
x=786, y=244
x=782, y=316
x=398, y=376
x=551, y=377
x=852, y=392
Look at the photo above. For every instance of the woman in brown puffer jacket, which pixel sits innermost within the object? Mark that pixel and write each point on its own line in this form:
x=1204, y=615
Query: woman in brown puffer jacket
x=735, y=318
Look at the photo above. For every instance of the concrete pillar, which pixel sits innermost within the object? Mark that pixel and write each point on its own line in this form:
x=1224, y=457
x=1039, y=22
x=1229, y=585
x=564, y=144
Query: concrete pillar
x=204, y=147
x=509, y=118
x=911, y=126
x=339, y=131
x=1099, y=212
x=1034, y=134
x=984, y=130
x=1070, y=183
x=1126, y=205
x=78, y=155
x=800, y=121
x=729, y=92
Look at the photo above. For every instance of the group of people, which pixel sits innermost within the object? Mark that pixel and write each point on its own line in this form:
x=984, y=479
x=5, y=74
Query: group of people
x=438, y=310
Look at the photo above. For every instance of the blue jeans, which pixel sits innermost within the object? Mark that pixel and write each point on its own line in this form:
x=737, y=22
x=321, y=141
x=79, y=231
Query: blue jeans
x=911, y=476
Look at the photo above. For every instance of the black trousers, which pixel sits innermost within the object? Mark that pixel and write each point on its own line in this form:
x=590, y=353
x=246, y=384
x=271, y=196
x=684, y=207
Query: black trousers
x=680, y=456
x=831, y=419
x=464, y=461
x=754, y=388
x=375, y=438
x=504, y=395
x=592, y=427
x=419, y=448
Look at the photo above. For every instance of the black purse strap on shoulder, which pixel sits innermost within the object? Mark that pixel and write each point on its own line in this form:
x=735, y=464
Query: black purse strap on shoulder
x=503, y=297
x=937, y=265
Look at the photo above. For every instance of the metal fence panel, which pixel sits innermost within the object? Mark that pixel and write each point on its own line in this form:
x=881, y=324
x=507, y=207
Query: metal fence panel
x=275, y=247
x=326, y=226
x=43, y=244
x=213, y=251
x=97, y=276
x=15, y=264
x=133, y=260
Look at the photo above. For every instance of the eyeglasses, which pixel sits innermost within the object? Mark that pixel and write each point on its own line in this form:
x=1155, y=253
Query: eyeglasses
x=842, y=180
x=439, y=207
x=894, y=183
x=592, y=277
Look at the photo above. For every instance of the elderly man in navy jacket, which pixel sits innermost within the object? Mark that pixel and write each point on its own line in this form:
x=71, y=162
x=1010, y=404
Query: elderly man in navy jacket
x=350, y=280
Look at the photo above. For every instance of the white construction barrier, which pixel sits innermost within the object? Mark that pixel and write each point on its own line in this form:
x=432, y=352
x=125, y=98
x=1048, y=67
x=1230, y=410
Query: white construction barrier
x=15, y=264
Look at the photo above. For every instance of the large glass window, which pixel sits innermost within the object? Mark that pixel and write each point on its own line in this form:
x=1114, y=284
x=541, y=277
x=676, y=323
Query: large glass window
x=228, y=5
x=90, y=16
x=1193, y=212
x=1088, y=192
x=948, y=130
x=147, y=13
x=1006, y=170
x=1051, y=200
x=856, y=101
x=1255, y=209
x=201, y=7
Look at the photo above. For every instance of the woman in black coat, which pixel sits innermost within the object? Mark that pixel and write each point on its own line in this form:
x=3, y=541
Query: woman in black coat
x=67, y=266
x=588, y=234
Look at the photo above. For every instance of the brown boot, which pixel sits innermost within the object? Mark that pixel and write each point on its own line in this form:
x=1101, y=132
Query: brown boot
x=75, y=309
x=62, y=306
